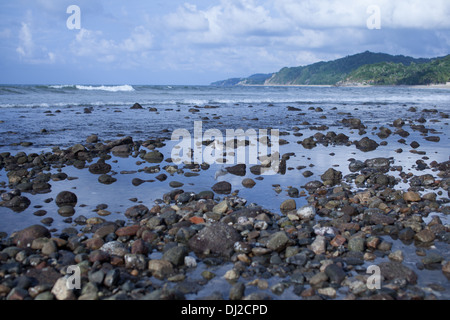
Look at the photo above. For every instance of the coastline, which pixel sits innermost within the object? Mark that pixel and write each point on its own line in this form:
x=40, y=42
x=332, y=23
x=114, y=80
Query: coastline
x=431, y=86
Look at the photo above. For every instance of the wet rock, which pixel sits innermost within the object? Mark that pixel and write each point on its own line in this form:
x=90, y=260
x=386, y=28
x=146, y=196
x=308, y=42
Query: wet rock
x=160, y=269
x=307, y=212
x=106, y=179
x=176, y=255
x=277, y=241
x=353, y=123
x=66, y=198
x=18, y=203
x=136, y=211
x=136, y=106
x=433, y=139
x=395, y=270
x=331, y=177
x=319, y=245
x=238, y=170
x=288, y=205
x=25, y=237
x=60, y=290
x=154, y=157
x=356, y=165
x=218, y=238
x=99, y=168
x=335, y=274
x=356, y=244
x=366, y=144
x=398, y=123
x=312, y=186
x=248, y=183
x=223, y=187
x=425, y=236
x=411, y=196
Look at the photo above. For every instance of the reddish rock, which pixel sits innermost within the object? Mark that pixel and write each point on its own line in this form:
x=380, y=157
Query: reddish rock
x=128, y=231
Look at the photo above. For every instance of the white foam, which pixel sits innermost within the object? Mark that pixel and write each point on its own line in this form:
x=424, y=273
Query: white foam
x=125, y=88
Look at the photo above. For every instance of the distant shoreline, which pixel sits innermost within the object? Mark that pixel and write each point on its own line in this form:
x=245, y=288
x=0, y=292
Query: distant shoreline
x=431, y=86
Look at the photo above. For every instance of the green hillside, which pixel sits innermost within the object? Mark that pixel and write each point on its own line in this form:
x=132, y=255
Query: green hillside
x=363, y=68
x=434, y=72
x=332, y=72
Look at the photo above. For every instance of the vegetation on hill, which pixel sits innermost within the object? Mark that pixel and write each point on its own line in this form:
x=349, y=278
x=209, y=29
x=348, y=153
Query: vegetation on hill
x=363, y=68
x=434, y=72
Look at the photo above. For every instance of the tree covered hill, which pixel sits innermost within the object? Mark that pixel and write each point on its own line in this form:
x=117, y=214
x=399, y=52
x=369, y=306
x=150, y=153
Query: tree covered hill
x=366, y=67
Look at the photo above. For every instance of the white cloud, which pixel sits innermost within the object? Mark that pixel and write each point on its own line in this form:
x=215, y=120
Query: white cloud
x=26, y=46
x=94, y=45
x=29, y=51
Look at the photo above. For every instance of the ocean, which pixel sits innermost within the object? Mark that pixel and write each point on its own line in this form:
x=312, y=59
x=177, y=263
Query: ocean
x=64, y=112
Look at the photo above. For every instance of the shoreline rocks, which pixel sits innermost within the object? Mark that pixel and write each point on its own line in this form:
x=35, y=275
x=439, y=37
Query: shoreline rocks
x=318, y=250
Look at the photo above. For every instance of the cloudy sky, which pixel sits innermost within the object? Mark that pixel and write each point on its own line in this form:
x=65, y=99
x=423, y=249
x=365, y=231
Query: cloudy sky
x=200, y=41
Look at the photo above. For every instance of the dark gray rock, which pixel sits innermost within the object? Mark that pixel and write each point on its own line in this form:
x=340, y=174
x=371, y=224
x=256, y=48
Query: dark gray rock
x=366, y=144
x=222, y=187
x=335, y=273
x=395, y=270
x=218, y=238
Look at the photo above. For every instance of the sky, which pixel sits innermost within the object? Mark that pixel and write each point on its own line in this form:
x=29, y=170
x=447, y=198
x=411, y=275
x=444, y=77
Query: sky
x=192, y=42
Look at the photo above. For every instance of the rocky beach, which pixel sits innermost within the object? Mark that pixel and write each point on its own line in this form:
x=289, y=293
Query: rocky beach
x=362, y=182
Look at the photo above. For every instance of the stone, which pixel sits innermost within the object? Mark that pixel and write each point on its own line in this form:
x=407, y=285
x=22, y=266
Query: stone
x=99, y=168
x=366, y=144
x=112, y=278
x=396, y=256
x=406, y=234
x=319, y=245
x=288, y=205
x=66, y=198
x=411, y=196
x=237, y=291
x=221, y=208
x=136, y=211
x=175, y=255
x=114, y=248
x=396, y=270
x=129, y=231
x=61, y=291
x=248, y=183
x=318, y=279
x=218, y=238
x=106, y=179
x=335, y=274
x=238, y=170
x=277, y=241
x=160, y=269
x=154, y=157
x=223, y=187
x=331, y=177
x=356, y=244
x=425, y=236
x=136, y=106
x=307, y=212
x=135, y=261
x=25, y=237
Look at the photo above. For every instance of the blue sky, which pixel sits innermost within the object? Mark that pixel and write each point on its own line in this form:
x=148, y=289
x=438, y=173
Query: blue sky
x=198, y=42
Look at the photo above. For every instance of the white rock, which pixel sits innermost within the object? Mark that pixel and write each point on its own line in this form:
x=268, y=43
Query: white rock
x=319, y=245
x=61, y=291
x=306, y=212
x=190, y=262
